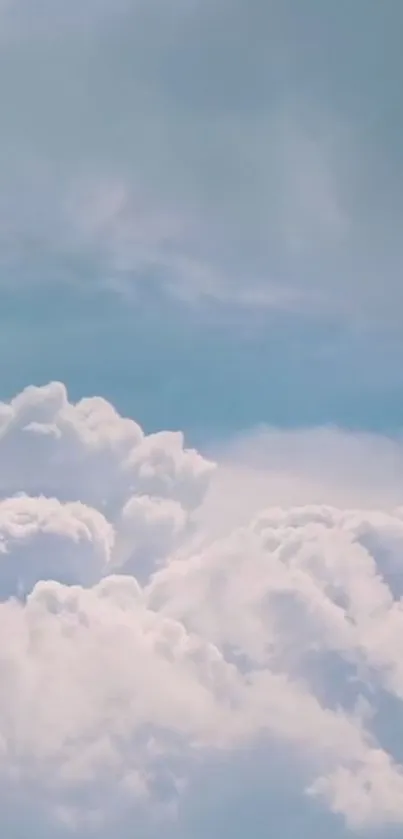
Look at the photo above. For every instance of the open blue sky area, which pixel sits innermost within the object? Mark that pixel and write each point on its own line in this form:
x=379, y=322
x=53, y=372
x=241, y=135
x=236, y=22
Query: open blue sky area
x=172, y=368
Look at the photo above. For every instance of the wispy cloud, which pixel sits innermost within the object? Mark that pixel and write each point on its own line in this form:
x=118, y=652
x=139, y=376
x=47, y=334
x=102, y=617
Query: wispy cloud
x=230, y=127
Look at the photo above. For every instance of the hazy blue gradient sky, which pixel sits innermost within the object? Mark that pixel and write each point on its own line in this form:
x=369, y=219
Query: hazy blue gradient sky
x=201, y=207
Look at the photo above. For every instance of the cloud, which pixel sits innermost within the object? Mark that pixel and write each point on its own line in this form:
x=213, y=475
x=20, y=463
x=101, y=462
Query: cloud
x=92, y=454
x=144, y=647
x=41, y=539
x=146, y=144
x=294, y=467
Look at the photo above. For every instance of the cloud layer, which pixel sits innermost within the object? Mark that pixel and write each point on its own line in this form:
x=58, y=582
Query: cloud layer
x=142, y=644
x=147, y=143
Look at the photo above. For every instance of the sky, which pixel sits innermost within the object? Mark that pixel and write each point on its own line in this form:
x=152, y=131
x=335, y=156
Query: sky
x=201, y=459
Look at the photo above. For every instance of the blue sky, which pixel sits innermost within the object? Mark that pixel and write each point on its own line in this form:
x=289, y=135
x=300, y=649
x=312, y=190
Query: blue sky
x=201, y=208
x=176, y=369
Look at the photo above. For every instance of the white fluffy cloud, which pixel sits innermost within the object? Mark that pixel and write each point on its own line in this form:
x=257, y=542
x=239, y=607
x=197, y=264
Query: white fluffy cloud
x=139, y=642
x=87, y=452
x=41, y=538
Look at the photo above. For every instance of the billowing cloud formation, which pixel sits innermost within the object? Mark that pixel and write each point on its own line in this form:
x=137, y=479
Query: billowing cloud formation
x=139, y=645
x=87, y=452
x=41, y=539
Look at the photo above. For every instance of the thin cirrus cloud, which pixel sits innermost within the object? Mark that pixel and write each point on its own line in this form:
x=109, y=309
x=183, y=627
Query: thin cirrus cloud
x=234, y=155
x=163, y=674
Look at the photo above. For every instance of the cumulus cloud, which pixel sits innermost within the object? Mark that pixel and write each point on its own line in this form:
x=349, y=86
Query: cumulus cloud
x=41, y=538
x=87, y=452
x=142, y=645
